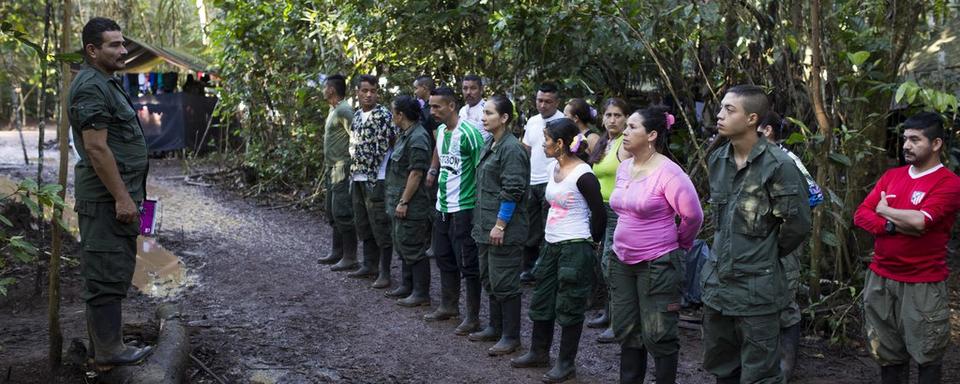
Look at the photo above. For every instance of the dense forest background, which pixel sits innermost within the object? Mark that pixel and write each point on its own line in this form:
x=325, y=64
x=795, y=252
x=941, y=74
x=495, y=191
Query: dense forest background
x=845, y=72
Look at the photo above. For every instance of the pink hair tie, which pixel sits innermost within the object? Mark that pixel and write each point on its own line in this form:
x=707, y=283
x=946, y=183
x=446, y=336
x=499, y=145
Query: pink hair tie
x=670, y=119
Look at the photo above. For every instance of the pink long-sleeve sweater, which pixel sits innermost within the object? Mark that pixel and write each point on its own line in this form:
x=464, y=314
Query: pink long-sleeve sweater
x=648, y=208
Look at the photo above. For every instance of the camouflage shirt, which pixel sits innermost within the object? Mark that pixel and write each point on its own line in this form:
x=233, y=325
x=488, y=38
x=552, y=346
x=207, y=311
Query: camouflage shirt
x=761, y=213
x=370, y=141
x=98, y=101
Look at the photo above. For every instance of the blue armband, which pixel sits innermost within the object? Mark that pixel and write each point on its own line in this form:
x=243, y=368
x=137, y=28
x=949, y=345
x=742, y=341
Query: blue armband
x=506, y=210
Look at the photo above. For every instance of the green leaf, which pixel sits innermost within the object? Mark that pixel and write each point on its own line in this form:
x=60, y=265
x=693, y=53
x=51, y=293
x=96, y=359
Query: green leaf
x=4, y=282
x=858, y=58
x=50, y=189
x=29, y=184
x=829, y=238
x=5, y=220
x=840, y=158
x=796, y=138
x=907, y=89
x=34, y=208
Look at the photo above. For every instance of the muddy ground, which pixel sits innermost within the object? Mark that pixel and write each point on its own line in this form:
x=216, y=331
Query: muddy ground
x=261, y=310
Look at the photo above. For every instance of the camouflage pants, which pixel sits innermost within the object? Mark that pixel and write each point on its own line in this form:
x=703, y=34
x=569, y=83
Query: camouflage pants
x=644, y=300
x=369, y=214
x=744, y=347
x=565, y=274
x=108, y=252
x=409, y=238
x=905, y=320
x=500, y=268
x=790, y=315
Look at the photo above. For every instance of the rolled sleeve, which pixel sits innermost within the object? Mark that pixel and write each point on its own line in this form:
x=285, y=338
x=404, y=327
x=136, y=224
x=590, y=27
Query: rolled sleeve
x=90, y=109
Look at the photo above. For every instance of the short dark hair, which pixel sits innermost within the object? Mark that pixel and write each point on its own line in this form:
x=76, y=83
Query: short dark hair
x=369, y=79
x=339, y=84
x=930, y=123
x=548, y=88
x=754, y=99
x=426, y=81
x=93, y=30
x=407, y=106
x=446, y=93
x=474, y=78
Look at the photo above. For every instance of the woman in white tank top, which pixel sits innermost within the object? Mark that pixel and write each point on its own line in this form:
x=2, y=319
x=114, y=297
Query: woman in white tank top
x=565, y=268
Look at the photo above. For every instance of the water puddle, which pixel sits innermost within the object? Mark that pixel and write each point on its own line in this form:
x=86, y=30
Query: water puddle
x=159, y=272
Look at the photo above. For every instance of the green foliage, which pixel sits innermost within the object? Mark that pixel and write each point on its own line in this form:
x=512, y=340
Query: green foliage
x=16, y=246
x=271, y=54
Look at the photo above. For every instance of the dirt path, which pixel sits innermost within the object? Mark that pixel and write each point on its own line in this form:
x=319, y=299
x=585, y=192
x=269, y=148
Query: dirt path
x=262, y=310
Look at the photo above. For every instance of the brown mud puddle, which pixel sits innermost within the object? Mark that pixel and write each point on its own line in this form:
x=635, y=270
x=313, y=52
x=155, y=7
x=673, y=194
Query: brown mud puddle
x=159, y=273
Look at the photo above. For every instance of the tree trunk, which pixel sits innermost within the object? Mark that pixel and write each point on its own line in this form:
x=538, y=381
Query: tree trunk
x=825, y=128
x=17, y=97
x=53, y=304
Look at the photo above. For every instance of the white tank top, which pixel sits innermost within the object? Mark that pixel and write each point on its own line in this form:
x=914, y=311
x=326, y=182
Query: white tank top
x=569, y=215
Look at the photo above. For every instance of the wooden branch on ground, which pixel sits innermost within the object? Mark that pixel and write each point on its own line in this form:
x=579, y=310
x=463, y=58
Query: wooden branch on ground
x=167, y=363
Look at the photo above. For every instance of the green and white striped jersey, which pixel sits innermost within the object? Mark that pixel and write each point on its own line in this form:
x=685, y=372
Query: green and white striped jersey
x=459, y=151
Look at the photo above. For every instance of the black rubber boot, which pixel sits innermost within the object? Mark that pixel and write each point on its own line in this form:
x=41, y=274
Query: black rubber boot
x=633, y=365
x=895, y=374
x=471, y=321
x=349, y=260
x=383, y=279
x=539, y=353
x=665, y=368
x=420, y=293
x=789, y=346
x=336, y=249
x=510, y=337
x=106, y=324
x=371, y=259
x=601, y=321
x=449, y=298
x=566, y=365
x=494, y=326
x=930, y=373
x=406, y=282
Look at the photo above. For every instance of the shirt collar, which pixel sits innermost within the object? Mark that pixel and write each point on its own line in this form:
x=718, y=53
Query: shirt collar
x=757, y=149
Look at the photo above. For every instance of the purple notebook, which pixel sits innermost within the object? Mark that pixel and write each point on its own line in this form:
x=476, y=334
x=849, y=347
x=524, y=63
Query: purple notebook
x=149, y=211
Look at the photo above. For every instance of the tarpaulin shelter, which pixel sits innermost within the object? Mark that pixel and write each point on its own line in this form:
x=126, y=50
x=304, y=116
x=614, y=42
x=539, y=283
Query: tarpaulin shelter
x=143, y=58
x=176, y=120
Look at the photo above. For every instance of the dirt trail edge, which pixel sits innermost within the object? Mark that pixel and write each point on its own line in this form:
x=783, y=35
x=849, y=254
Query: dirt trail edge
x=261, y=310
x=265, y=311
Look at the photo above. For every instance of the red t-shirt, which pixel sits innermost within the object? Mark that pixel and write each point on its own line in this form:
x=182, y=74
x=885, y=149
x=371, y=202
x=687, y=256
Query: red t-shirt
x=904, y=258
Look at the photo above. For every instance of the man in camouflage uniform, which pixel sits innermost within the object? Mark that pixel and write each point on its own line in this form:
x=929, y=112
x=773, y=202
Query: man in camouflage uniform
x=371, y=137
x=759, y=200
x=336, y=158
x=110, y=183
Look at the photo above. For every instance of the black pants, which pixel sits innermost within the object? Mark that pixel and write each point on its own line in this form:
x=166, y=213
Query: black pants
x=453, y=246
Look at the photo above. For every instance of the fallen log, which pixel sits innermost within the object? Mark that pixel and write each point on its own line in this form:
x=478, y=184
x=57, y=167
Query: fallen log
x=167, y=363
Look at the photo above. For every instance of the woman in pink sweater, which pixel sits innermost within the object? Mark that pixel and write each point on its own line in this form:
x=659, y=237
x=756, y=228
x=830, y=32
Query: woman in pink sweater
x=650, y=193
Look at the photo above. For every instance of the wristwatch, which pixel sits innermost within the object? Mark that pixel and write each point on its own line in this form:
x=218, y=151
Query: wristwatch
x=500, y=227
x=402, y=202
x=433, y=172
x=890, y=228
